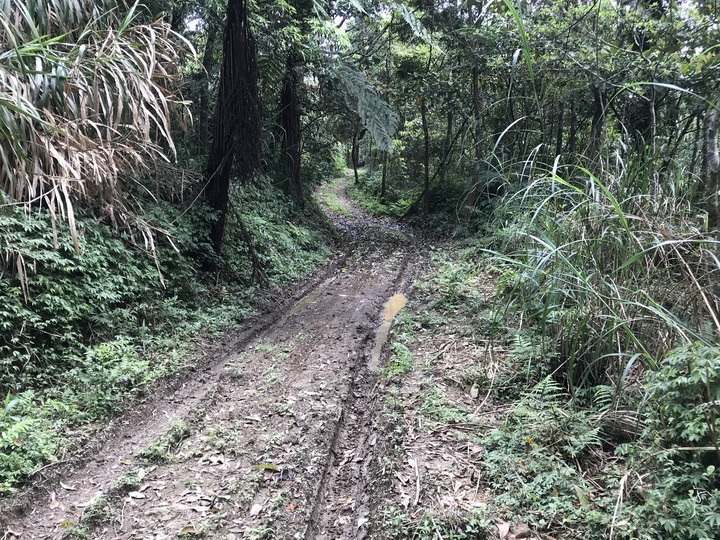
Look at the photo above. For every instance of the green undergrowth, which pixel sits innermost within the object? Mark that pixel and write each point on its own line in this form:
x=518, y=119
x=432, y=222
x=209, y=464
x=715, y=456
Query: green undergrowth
x=83, y=333
x=589, y=462
x=447, y=213
x=366, y=195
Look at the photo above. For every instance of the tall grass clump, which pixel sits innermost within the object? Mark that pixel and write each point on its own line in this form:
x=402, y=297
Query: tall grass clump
x=609, y=280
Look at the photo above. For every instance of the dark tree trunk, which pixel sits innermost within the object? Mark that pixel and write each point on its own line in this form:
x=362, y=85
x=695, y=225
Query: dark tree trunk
x=383, y=182
x=426, y=154
x=203, y=113
x=713, y=173
x=477, y=131
x=696, y=144
x=290, y=121
x=448, y=143
x=597, y=124
x=355, y=156
x=237, y=127
x=559, y=136
x=573, y=129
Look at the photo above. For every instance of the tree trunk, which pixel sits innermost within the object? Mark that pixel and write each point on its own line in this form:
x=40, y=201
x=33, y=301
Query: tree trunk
x=696, y=143
x=290, y=121
x=355, y=156
x=448, y=143
x=713, y=173
x=426, y=154
x=597, y=125
x=383, y=182
x=712, y=167
x=559, y=136
x=237, y=126
x=573, y=129
x=477, y=110
x=203, y=113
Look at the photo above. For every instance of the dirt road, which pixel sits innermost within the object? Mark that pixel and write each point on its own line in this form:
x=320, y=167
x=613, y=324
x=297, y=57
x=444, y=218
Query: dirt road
x=271, y=439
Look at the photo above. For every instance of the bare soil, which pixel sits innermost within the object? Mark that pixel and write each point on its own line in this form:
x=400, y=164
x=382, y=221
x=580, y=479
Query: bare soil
x=274, y=434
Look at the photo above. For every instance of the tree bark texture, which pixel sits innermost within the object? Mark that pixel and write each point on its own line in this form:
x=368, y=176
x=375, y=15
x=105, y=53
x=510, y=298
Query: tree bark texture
x=448, y=142
x=560, y=127
x=290, y=120
x=426, y=154
x=573, y=129
x=596, y=125
x=355, y=155
x=383, y=182
x=203, y=129
x=477, y=131
x=237, y=127
x=713, y=173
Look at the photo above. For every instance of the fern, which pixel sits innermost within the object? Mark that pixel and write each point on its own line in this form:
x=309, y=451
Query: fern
x=375, y=114
x=412, y=21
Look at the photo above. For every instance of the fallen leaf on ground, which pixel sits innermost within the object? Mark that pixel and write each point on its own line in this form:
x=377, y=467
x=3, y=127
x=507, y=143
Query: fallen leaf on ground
x=361, y=522
x=503, y=528
x=190, y=529
x=256, y=509
x=267, y=467
x=68, y=487
x=53, y=503
x=13, y=532
x=582, y=496
x=136, y=495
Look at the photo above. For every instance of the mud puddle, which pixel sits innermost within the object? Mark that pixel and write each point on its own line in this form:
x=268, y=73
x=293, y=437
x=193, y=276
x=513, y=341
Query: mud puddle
x=392, y=308
x=301, y=304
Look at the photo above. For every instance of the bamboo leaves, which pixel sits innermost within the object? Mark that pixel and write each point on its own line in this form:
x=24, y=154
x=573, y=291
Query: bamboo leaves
x=85, y=98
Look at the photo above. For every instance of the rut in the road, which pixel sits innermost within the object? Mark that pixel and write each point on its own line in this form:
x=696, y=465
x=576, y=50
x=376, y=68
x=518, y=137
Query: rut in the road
x=277, y=446
x=341, y=508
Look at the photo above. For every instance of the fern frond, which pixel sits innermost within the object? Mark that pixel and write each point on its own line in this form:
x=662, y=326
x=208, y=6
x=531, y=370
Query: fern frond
x=413, y=22
x=375, y=114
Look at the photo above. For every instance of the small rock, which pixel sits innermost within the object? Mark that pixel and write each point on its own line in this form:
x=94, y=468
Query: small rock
x=521, y=530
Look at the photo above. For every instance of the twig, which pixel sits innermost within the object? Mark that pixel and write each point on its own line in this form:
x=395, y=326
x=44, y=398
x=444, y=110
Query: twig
x=687, y=449
x=36, y=471
x=623, y=482
x=417, y=481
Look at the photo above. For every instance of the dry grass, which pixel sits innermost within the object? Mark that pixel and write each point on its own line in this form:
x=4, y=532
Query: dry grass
x=86, y=95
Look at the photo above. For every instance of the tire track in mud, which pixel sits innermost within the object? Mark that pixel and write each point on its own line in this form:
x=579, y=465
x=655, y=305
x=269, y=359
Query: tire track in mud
x=104, y=459
x=279, y=426
x=340, y=508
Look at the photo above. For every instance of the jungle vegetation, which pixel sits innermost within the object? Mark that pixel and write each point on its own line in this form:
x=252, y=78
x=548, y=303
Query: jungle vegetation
x=157, y=164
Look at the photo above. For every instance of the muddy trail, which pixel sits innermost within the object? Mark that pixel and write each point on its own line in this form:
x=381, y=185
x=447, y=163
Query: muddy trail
x=272, y=436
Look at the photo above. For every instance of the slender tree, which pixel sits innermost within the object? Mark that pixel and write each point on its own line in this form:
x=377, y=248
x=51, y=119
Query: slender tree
x=291, y=124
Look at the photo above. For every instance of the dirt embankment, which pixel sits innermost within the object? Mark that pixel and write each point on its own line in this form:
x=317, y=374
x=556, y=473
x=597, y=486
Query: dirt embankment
x=272, y=438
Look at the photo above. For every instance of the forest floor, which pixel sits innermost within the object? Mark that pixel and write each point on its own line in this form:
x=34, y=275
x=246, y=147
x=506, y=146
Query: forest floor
x=304, y=424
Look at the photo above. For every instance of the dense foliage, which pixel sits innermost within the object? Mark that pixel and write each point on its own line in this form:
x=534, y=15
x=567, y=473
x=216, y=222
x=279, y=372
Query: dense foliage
x=577, y=139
